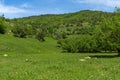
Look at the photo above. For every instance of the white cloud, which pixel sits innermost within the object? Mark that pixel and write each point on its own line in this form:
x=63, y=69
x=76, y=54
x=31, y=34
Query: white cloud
x=10, y=9
x=25, y=5
x=34, y=12
x=109, y=3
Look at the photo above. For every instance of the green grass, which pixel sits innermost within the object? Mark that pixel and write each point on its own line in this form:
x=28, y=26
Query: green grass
x=11, y=44
x=29, y=59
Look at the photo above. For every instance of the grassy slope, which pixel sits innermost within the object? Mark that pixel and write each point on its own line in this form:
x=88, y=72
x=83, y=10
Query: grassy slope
x=19, y=45
x=29, y=59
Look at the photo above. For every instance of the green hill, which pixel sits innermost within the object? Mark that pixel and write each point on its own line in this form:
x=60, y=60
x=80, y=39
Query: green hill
x=97, y=25
x=57, y=25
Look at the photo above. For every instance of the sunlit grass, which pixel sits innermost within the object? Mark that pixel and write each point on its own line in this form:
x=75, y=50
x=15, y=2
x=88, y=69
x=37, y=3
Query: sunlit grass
x=29, y=59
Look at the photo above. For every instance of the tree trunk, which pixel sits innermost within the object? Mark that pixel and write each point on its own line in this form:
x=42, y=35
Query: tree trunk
x=118, y=52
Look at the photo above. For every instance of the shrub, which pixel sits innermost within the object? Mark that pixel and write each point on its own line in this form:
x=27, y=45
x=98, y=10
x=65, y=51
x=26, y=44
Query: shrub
x=2, y=27
x=23, y=31
x=40, y=36
x=81, y=43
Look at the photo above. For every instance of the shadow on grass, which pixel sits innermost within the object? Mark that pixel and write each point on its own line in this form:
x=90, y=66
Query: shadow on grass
x=105, y=56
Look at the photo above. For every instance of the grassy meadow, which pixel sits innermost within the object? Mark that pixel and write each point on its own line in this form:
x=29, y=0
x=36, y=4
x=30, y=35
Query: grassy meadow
x=29, y=59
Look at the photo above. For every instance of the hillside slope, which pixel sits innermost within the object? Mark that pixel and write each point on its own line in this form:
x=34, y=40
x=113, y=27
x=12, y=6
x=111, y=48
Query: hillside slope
x=10, y=44
x=54, y=25
x=100, y=28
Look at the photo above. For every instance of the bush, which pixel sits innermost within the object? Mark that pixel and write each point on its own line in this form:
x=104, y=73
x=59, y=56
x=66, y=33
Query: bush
x=75, y=44
x=40, y=36
x=115, y=38
x=23, y=31
x=2, y=27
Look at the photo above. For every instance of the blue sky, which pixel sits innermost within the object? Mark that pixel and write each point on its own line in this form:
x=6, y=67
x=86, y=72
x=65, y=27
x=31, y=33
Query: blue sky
x=22, y=8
